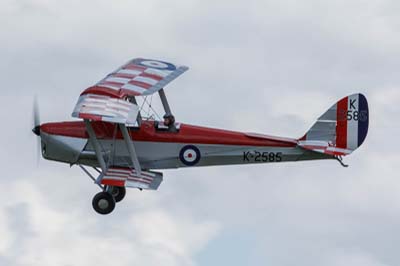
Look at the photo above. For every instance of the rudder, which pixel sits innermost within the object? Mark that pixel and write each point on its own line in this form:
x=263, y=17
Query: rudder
x=341, y=129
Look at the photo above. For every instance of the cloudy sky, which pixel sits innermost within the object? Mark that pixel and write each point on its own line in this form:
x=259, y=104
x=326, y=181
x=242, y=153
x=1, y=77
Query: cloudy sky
x=259, y=65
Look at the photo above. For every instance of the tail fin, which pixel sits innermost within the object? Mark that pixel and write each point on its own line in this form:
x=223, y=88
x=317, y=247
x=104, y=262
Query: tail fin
x=341, y=129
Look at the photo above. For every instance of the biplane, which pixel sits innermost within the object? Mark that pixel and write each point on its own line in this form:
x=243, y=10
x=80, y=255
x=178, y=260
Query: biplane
x=117, y=147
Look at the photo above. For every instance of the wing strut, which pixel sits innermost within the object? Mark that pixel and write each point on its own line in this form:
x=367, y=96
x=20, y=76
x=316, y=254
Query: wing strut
x=96, y=145
x=164, y=101
x=131, y=149
x=139, y=116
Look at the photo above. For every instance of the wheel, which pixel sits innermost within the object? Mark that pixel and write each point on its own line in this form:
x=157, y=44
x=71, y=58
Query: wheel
x=118, y=193
x=103, y=203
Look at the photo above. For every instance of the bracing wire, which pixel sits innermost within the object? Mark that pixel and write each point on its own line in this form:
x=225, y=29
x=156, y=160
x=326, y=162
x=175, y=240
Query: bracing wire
x=150, y=112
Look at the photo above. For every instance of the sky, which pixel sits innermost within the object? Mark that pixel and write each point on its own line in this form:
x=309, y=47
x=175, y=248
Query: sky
x=259, y=66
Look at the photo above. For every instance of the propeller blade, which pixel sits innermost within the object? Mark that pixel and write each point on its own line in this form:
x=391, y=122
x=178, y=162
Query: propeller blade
x=38, y=150
x=36, y=128
x=36, y=117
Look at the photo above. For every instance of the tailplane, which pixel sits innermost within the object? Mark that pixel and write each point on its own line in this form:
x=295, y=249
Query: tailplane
x=341, y=129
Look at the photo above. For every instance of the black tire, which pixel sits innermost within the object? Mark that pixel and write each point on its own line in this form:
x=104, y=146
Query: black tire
x=118, y=193
x=103, y=203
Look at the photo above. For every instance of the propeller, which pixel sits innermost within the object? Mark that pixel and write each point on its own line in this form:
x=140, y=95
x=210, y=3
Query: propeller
x=36, y=127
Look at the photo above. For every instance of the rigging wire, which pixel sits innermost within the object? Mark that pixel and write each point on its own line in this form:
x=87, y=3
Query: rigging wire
x=150, y=113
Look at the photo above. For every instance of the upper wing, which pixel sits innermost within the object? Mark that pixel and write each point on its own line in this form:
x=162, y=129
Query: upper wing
x=106, y=100
x=138, y=77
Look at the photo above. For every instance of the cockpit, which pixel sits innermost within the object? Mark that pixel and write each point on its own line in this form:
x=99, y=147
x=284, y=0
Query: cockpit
x=167, y=124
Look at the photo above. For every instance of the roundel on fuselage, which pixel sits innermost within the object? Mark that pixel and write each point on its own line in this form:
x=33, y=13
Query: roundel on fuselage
x=189, y=155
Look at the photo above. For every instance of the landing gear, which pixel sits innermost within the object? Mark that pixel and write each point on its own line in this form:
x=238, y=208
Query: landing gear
x=103, y=203
x=118, y=193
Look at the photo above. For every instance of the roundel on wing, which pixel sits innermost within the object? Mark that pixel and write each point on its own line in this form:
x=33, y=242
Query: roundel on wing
x=155, y=64
x=189, y=155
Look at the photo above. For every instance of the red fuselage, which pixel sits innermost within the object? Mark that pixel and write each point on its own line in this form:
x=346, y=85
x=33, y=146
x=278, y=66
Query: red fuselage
x=148, y=132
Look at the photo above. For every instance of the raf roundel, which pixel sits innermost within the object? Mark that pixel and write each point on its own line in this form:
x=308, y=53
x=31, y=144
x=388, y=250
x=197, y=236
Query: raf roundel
x=155, y=64
x=189, y=155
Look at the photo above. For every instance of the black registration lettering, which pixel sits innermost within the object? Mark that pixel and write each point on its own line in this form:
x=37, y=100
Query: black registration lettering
x=257, y=156
x=246, y=156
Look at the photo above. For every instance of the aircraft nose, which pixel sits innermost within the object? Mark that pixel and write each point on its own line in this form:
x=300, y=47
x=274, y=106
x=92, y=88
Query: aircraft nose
x=36, y=130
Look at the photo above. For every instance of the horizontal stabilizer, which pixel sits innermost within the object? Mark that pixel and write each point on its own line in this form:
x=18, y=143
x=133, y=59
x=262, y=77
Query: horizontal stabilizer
x=323, y=147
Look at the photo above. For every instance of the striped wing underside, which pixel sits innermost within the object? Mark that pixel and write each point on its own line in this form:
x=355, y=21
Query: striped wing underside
x=128, y=177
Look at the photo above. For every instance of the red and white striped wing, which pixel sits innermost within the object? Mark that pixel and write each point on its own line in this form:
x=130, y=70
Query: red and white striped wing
x=105, y=108
x=138, y=77
x=128, y=177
